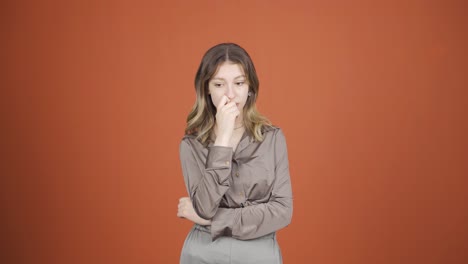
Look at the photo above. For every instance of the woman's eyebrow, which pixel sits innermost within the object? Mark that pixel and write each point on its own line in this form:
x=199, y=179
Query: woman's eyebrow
x=222, y=79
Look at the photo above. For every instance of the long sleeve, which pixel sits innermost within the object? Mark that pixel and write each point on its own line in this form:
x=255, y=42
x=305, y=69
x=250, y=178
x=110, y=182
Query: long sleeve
x=206, y=183
x=260, y=219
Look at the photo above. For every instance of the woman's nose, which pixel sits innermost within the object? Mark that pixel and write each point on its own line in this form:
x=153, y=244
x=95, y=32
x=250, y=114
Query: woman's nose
x=230, y=92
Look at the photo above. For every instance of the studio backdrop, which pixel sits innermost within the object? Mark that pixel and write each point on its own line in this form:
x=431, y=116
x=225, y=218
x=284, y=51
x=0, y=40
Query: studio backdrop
x=371, y=96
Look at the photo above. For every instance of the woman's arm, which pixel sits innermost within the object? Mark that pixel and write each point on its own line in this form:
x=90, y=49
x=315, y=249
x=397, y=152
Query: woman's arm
x=260, y=219
x=243, y=223
x=206, y=183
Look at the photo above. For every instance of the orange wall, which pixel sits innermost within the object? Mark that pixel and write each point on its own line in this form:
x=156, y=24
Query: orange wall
x=371, y=97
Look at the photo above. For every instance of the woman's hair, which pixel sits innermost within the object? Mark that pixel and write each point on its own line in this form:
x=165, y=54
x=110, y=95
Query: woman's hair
x=201, y=119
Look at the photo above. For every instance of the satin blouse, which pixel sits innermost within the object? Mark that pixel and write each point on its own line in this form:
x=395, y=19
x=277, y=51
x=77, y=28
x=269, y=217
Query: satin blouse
x=247, y=192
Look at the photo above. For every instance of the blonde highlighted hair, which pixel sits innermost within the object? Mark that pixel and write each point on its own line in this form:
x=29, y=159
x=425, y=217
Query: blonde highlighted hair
x=201, y=119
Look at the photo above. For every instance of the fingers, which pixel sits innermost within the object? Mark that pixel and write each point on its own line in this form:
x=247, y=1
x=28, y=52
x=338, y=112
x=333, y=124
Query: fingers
x=181, y=212
x=228, y=108
x=183, y=202
x=223, y=101
x=233, y=109
x=182, y=206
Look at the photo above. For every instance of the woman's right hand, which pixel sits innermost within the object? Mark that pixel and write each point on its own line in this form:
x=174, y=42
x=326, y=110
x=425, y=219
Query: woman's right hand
x=185, y=210
x=225, y=118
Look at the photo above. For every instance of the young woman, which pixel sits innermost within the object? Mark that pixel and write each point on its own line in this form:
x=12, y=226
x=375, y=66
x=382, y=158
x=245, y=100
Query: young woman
x=235, y=167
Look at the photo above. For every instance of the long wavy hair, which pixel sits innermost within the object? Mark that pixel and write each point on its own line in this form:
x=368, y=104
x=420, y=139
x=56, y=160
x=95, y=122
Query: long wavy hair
x=201, y=119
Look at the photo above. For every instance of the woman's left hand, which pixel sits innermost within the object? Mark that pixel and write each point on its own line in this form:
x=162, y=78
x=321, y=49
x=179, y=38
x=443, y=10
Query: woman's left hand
x=185, y=210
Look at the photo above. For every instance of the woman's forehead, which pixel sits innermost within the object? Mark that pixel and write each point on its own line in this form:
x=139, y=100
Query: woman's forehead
x=229, y=70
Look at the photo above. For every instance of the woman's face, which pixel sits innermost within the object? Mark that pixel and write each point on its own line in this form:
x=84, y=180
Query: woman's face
x=229, y=81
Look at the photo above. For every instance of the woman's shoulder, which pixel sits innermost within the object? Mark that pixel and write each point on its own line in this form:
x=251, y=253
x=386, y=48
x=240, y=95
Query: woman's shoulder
x=192, y=141
x=273, y=134
x=271, y=130
x=189, y=138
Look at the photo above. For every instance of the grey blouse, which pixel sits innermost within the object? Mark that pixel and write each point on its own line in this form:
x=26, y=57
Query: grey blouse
x=247, y=193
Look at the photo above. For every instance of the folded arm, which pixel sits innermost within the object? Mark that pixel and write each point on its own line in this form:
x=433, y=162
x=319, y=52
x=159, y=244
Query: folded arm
x=260, y=219
x=206, y=183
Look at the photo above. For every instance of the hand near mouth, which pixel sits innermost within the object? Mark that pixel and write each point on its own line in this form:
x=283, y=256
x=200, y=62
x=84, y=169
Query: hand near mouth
x=227, y=112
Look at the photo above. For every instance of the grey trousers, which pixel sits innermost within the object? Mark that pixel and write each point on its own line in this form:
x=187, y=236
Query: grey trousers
x=198, y=248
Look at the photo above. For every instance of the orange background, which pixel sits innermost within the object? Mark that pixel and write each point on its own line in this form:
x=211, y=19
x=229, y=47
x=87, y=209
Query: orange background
x=371, y=97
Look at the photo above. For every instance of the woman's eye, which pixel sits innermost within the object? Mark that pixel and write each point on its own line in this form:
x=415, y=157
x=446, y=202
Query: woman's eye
x=218, y=84
x=240, y=83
